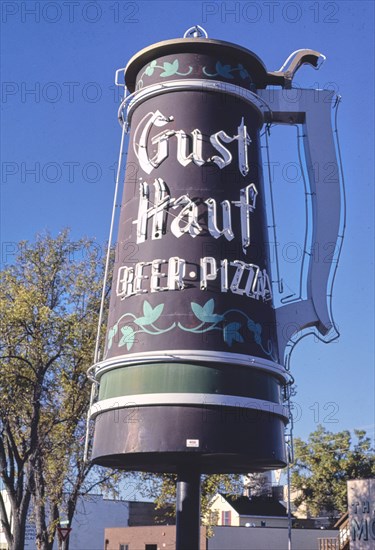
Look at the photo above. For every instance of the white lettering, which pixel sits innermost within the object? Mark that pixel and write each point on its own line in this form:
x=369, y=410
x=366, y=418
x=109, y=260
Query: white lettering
x=212, y=219
x=246, y=204
x=252, y=276
x=263, y=288
x=244, y=279
x=186, y=221
x=226, y=158
x=243, y=142
x=184, y=156
x=182, y=148
x=189, y=211
x=139, y=277
x=224, y=275
x=140, y=148
x=208, y=271
x=156, y=275
x=176, y=273
x=257, y=285
x=124, y=286
x=157, y=211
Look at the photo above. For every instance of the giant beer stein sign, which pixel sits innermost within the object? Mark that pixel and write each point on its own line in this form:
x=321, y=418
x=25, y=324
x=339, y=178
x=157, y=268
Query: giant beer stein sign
x=194, y=366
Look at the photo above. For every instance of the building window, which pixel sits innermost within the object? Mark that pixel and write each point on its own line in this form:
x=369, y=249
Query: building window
x=151, y=547
x=226, y=517
x=124, y=547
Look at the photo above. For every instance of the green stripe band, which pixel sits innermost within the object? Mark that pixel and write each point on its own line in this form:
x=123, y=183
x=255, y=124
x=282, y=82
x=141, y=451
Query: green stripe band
x=189, y=378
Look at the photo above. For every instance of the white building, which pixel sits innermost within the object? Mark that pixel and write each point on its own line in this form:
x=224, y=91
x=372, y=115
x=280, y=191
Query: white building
x=93, y=514
x=248, y=512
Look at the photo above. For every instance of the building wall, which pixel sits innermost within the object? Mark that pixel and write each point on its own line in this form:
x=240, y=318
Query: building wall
x=164, y=536
x=247, y=538
x=219, y=505
x=141, y=513
x=268, y=521
x=93, y=514
x=145, y=513
x=302, y=512
x=224, y=538
x=361, y=506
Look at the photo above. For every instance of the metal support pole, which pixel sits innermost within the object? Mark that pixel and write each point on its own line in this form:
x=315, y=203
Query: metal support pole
x=188, y=510
x=289, y=503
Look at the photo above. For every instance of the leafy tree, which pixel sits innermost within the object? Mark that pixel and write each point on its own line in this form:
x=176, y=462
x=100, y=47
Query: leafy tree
x=325, y=463
x=162, y=489
x=258, y=484
x=49, y=304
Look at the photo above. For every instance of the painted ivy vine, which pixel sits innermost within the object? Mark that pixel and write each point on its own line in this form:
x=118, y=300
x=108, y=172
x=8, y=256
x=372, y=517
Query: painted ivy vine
x=233, y=331
x=146, y=324
x=234, y=325
x=168, y=69
x=172, y=68
x=227, y=71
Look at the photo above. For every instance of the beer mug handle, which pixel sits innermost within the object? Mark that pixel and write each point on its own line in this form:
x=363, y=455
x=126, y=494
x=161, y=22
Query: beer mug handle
x=313, y=314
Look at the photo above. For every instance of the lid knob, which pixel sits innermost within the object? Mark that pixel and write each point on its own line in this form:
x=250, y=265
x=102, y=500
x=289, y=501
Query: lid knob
x=196, y=32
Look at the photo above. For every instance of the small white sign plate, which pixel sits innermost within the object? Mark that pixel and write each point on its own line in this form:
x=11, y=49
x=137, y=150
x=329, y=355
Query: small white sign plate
x=192, y=443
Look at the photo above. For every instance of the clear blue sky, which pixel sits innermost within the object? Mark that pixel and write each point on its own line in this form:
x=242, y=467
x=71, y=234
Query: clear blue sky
x=60, y=140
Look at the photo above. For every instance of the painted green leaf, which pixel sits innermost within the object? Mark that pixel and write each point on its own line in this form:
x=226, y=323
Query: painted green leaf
x=231, y=333
x=111, y=334
x=149, y=70
x=251, y=325
x=244, y=74
x=209, y=314
x=256, y=329
x=150, y=314
x=206, y=313
x=224, y=70
x=128, y=337
x=209, y=307
x=198, y=311
x=170, y=68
